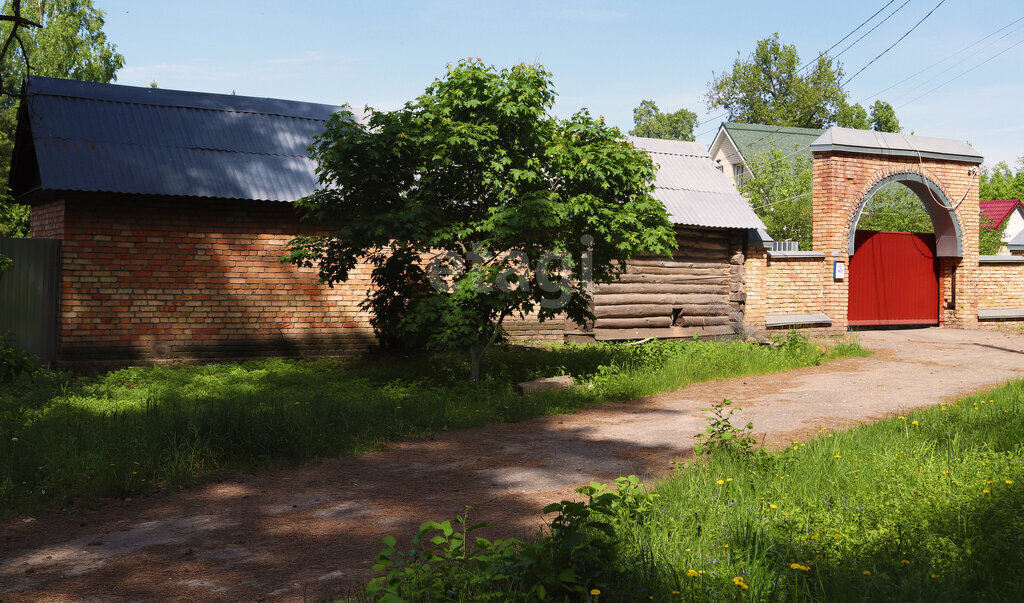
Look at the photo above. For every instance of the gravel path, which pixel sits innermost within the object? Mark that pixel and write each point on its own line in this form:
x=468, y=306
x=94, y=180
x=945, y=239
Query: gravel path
x=312, y=530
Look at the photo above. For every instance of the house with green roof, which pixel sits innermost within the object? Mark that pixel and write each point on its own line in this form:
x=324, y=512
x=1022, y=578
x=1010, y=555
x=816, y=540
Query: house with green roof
x=737, y=144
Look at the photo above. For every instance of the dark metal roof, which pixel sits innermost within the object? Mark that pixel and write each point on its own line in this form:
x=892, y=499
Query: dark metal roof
x=121, y=139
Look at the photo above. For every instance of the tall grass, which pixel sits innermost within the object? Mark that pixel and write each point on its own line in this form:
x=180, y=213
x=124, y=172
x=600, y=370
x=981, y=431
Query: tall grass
x=67, y=438
x=926, y=506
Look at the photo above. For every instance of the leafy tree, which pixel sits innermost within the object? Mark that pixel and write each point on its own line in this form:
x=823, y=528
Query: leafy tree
x=650, y=122
x=1001, y=182
x=779, y=190
x=70, y=44
x=770, y=88
x=883, y=117
x=464, y=200
x=990, y=238
x=895, y=208
x=853, y=116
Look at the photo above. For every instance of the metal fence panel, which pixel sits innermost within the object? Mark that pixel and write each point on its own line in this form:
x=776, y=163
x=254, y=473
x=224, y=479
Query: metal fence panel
x=30, y=294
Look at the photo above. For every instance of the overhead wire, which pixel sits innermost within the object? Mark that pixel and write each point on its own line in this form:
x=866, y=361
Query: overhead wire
x=853, y=31
x=881, y=54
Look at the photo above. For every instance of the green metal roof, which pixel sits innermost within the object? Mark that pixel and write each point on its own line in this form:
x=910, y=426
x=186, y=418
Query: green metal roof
x=752, y=139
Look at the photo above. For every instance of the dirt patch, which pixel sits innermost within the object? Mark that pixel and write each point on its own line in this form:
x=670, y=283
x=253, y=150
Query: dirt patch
x=313, y=530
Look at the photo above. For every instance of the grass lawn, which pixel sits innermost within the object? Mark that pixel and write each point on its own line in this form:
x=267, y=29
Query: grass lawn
x=67, y=438
x=923, y=507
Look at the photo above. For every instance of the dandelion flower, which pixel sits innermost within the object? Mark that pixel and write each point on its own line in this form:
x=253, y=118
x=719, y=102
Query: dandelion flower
x=867, y=573
x=985, y=491
x=814, y=537
x=905, y=561
x=837, y=456
x=720, y=482
x=794, y=566
x=774, y=506
x=728, y=479
x=935, y=576
x=692, y=573
x=595, y=591
x=914, y=423
x=836, y=536
x=901, y=418
x=1009, y=481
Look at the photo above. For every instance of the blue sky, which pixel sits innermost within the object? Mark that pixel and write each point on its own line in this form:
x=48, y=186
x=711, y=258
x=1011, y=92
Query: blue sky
x=606, y=56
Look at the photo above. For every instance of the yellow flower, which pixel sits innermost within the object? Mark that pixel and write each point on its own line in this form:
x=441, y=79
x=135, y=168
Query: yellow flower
x=837, y=456
x=935, y=576
x=804, y=568
x=901, y=418
x=774, y=506
x=720, y=482
x=725, y=545
x=794, y=566
x=914, y=423
x=905, y=561
x=676, y=592
x=743, y=586
x=738, y=580
x=595, y=591
x=985, y=491
x=1009, y=481
x=728, y=479
x=836, y=536
x=814, y=537
x=867, y=573
x=692, y=574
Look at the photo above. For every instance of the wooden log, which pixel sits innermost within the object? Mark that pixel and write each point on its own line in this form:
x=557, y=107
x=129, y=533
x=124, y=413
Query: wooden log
x=634, y=311
x=703, y=321
x=540, y=385
x=672, y=271
x=655, y=288
x=669, y=333
x=696, y=276
x=705, y=310
x=633, y=323
x=662, y=299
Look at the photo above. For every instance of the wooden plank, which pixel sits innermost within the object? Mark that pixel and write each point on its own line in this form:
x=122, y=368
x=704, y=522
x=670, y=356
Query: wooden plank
x=704, y=321
x=634, y=311
x=662, y=299
x=656, y=287
x=633, y=323
x=699, y=277
x=669, y=333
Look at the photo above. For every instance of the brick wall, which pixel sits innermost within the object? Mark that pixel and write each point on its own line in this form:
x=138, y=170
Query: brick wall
x=1000, y=286
x=150, y=279
x=796, y=285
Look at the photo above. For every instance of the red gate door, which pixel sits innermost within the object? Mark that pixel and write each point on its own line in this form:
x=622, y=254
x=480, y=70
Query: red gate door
x=893, y=279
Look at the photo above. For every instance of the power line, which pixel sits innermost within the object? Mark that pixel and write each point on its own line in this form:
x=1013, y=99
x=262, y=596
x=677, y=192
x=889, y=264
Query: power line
x=877, y=25
x=881, y=54
x=965, y=72
x=853, y=31
x=969, y=46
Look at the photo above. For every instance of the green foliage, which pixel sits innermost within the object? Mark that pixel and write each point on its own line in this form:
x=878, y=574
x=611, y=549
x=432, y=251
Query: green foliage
x=1001, y=182
x=779, y=190
x=883, y=118
x=71, y=44
x=650, y=122
x=478, y=177
x=128, y=431
x=574, y=558
x=990, y=238
x=770, y=88
x=895, y=208
x=721, y=436
x=13, y=360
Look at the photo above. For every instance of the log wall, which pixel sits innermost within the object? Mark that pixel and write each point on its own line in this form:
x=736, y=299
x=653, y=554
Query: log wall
x=698, y=291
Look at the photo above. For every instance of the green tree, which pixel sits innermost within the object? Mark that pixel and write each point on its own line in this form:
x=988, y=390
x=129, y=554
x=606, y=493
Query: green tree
x=1001, y=182
x=70, y=44
x=779, y=190
x=853, y=116
x=990, y=238
x=895, y=208
x=883, y=117
x=650, y=122
x=472, y=204
x=771, y=88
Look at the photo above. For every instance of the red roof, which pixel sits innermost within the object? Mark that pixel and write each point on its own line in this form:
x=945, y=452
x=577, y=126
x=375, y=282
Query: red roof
x=998, y=210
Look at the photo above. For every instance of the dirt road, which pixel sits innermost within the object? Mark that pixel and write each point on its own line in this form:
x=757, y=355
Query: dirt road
x=313, y=529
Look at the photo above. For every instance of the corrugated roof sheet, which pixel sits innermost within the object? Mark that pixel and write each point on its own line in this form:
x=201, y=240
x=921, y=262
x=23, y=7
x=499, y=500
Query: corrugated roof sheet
x=694, y=192
x=122, y=139
x=889, y=143
x=753, y=139
x=997, y=210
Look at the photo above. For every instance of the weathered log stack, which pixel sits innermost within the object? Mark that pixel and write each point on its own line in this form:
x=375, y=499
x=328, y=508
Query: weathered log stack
x=699, y=291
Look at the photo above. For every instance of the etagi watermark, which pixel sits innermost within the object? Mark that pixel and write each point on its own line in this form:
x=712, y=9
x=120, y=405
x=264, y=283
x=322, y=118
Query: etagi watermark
x=550, y=272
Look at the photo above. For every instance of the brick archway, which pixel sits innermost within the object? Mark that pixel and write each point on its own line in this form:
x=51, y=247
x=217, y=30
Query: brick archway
x=851, y=165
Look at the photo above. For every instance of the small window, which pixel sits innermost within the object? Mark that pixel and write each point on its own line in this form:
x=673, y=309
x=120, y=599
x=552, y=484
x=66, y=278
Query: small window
x=737, y=171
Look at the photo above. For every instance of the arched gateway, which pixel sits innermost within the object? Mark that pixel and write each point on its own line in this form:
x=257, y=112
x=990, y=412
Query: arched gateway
x=850, y=166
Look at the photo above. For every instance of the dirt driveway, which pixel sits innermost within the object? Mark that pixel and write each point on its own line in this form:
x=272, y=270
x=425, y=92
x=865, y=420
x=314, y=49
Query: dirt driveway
x=313, y=529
